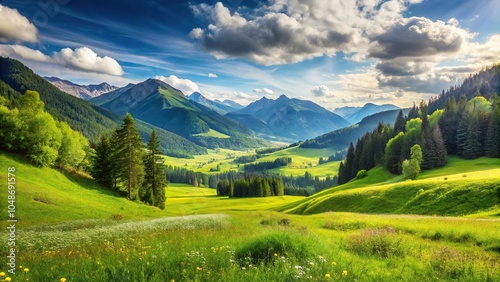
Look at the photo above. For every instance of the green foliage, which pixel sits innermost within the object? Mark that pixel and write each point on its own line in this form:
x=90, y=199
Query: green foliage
x=393, y=158
x=102, y=163
x=155, y=182
x=361, y=174
x=270, y=247
x=35, y=133
x=127, y=154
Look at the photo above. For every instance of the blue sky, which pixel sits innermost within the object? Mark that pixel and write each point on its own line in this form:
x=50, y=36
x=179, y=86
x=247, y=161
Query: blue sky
x=334, y=52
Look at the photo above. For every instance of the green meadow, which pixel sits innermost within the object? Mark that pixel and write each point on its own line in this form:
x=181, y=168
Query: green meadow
x=71, y=228
x=302, y=160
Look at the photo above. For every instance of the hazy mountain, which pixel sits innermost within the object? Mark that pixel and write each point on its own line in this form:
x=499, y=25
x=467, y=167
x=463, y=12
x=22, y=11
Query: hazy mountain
x=367, y=110
x=158, y=103
x=288, y=119
x=345, y=111
x=85, y=92
x=230, y=103
x=217, y=106
x=89, y=119
x=342, y=137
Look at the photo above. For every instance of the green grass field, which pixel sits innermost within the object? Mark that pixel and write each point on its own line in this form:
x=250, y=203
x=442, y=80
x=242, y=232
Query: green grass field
x=213, y=133
x=302, y=160
x=71, y=231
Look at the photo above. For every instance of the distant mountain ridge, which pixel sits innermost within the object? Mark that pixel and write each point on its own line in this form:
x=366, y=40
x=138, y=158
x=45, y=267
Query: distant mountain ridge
x=288, y=119
x=356, y=114
x=85, y=92
x=341, y=138
x=220, y=107
x=160, y=104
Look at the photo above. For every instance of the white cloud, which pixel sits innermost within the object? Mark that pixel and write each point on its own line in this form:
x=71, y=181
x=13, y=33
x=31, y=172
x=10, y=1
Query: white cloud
x=185, y=85
x=16, y=27
x=321, y=91
x=23, y=52
x=87, y=60
x=80, y=59
x=212, y=75
x=263, y=90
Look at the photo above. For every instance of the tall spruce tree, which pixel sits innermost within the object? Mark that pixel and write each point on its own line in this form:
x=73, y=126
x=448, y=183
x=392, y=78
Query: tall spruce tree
x=127, y=155
x=399, y=125
x=469, y=136
x=155, y=181
x=102, y=168
x=493, y=135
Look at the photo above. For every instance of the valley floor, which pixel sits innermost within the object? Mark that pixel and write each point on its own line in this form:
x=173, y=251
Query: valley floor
x=73, y=230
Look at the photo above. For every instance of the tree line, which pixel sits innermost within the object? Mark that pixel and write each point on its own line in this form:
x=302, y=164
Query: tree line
x=261, y=166
x=122, y=163
x=293, y=185
x=31, y=131
x=469, y=129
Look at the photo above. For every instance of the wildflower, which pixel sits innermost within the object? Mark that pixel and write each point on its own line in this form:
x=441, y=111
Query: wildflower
x=26, y=270
x=334, y=263
x=2, y=274
x=344, y=273
x=327, y=275
x=275, y=254
x=8, y=279
x=63, y=279
x=172, y=280
x=20, y=267
x=199, y=268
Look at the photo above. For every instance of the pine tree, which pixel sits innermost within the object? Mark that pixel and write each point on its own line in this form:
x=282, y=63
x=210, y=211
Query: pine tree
x=449, y=125
x=155, y=181
x=102, y=168
x=127, y=157
x=399, y=125
x=469, y=136
x=493, y=135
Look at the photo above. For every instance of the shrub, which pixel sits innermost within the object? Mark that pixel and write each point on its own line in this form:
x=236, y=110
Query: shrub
x=361, y=174
x=382, y=243
x=263, y=248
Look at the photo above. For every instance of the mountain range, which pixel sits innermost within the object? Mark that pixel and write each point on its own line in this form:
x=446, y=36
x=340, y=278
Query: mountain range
x=220, y=107
x=85, y=92
x=288, y=119
x=356, y=114
x=160, y=104
x=187, y=125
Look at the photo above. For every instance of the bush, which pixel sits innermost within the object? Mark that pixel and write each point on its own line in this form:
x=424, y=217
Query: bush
x=382, y=243
x=361, y=174
x=264, y=248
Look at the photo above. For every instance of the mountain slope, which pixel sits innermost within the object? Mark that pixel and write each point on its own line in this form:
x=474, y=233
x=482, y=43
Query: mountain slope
x=219, y=107
x=342, y=137
x=81, y=115
x=85, y=92
x=368, y=110
x=289, y=119
x=160, y=104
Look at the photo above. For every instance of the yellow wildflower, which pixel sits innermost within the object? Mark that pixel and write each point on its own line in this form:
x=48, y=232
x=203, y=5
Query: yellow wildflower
x=8, y=279
x=327, y=275
x=334, y=263
x=344, y=273
x=199, y=268
x=63, y=279
x=2, y=274
x=26, y=270
x=275, y=254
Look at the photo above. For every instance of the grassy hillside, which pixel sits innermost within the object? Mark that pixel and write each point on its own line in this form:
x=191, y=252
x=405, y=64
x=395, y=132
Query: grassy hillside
x=69, y=234
x=460, y=188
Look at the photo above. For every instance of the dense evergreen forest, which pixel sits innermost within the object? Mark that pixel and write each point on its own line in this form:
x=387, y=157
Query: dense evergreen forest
x=467, y=125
